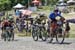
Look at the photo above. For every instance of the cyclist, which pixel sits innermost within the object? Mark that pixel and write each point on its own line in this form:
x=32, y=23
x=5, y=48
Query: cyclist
x=41, y=20
x=7, y=23
x=11, y=21
x=11, y=25
x=53, y=21
x=4, y=24
x=40, y=26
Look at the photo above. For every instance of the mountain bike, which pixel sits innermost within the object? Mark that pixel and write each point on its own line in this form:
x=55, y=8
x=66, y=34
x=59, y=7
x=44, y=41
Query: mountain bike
x=39, y=31
x=7, y=34
x=58, y=32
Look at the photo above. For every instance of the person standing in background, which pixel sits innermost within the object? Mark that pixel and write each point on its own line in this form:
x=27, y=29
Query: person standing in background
x=17, y=13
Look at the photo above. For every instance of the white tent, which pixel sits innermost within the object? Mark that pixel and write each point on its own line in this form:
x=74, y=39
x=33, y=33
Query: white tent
x=18, y=6
x=71, y=1
x=61, y=1
x=62, y=4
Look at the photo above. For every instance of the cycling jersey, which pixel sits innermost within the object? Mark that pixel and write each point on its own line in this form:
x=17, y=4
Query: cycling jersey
x=52, y=16
x=6, y=23
x=40, y=20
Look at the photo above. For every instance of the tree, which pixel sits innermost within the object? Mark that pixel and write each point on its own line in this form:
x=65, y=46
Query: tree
x=8, y=4
x=4, y=4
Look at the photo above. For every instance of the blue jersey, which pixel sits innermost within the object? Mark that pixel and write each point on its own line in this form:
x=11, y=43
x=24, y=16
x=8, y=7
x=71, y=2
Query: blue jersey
x=53, y=15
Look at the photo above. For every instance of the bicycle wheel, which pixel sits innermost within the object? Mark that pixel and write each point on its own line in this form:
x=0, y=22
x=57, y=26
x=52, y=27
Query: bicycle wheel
x=44, y=34
x=34, y=34
x=12, y=36
x=5, y=36
x=2, y=33
x=60, y=36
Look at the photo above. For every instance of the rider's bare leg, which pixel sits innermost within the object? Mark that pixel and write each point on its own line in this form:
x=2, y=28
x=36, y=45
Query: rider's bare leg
x=50, y=34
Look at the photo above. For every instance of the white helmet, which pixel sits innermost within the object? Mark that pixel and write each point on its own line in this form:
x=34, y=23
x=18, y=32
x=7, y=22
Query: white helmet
x=41, y=13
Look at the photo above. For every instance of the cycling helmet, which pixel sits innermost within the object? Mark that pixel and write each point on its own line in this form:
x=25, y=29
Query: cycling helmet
x=56, y=10
x=10, y=16
x=42, y=14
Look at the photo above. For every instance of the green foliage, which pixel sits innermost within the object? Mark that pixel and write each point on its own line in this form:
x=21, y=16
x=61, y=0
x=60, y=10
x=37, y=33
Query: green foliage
x=8, y=4
x=4, y=4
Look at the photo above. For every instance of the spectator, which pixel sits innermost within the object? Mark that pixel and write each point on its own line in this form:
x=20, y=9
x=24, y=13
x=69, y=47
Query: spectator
x=18, y=13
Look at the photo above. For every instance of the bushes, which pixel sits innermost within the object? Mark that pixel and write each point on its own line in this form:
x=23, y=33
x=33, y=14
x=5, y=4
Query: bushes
x=5, y=5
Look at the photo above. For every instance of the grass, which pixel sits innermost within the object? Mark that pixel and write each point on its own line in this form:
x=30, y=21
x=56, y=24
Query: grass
x=72, y=36
x=24, y=35
x=72, y=31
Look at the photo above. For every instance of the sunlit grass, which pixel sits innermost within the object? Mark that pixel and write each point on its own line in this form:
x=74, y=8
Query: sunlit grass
x=72, y=36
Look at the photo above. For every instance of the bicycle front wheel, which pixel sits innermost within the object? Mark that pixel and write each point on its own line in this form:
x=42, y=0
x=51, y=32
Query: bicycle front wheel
x=44, y=34
x=34, y=35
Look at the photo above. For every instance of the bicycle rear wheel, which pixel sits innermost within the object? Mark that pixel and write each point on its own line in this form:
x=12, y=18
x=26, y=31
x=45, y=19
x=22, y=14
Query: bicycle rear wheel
x=60, y=36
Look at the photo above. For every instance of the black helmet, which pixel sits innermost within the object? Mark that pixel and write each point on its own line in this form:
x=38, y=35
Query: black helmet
x=56, y=10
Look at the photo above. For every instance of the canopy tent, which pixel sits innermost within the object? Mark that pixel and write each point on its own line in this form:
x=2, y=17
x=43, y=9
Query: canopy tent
x=71, y=1
x=26, y=12
x=62, y=4
x=18, y=6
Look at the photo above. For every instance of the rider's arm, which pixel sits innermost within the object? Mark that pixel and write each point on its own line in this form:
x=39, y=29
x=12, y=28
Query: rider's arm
x=59, y=15
x=62, y=18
